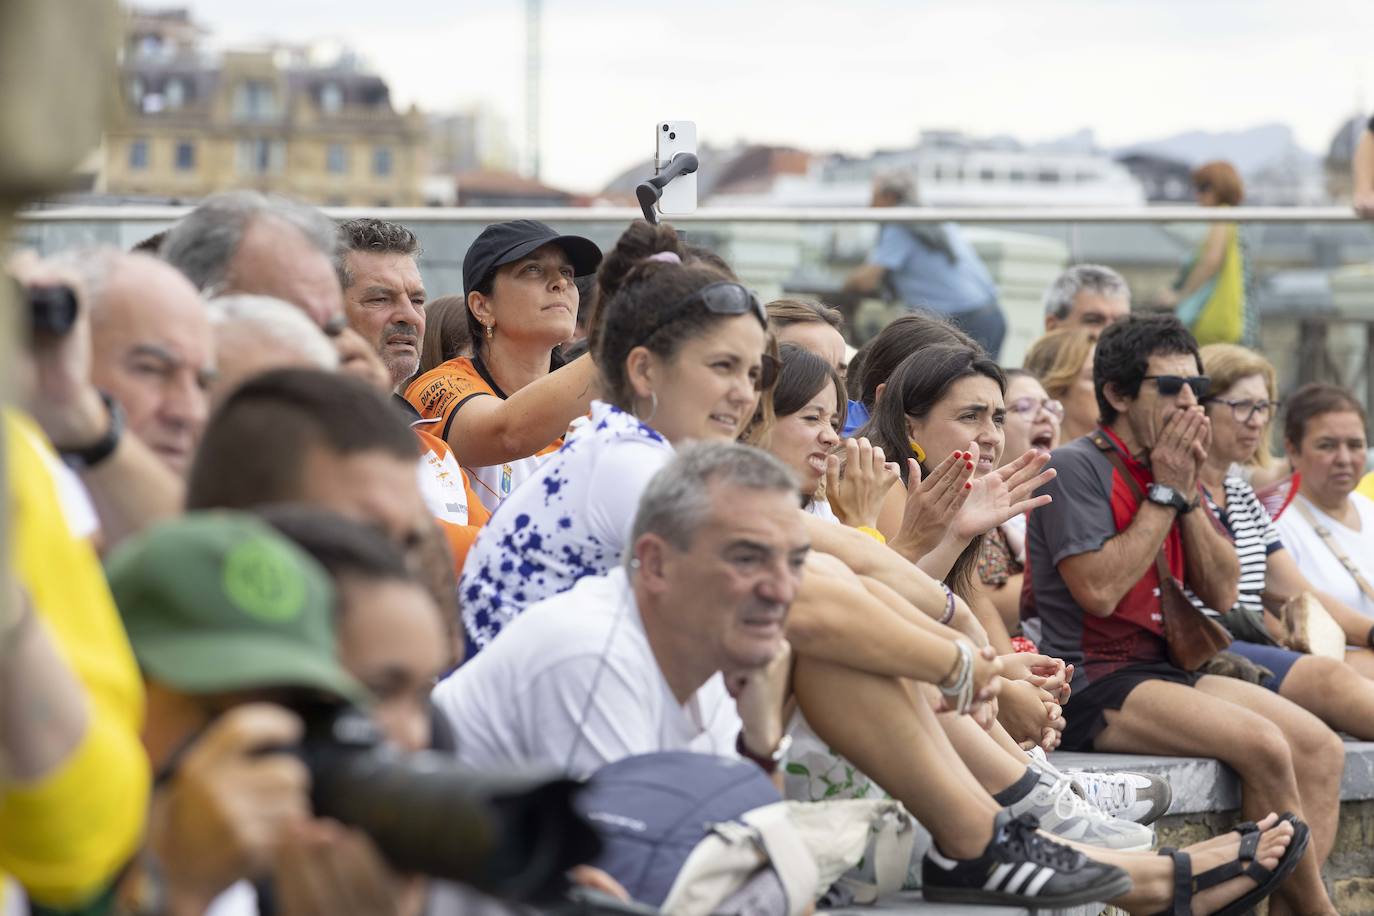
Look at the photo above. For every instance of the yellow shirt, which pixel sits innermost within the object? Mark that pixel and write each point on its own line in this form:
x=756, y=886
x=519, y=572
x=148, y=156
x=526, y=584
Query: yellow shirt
x=65, y=837
x=1366, y=487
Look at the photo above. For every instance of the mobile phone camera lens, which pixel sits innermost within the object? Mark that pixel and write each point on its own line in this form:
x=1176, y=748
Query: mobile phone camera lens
x=665, y=127
x=672, y=136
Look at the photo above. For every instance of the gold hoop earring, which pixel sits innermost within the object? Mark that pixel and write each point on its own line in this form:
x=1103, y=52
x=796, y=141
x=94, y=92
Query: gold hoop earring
x=916, y=450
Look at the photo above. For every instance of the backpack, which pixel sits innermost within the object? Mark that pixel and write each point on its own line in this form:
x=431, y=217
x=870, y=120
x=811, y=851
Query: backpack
x=700, y=834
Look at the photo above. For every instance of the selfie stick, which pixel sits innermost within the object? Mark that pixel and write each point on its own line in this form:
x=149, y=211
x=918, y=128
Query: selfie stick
x=648, y=192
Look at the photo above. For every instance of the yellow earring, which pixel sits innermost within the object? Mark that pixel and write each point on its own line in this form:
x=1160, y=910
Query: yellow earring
x=489, y=332
x=916, y=450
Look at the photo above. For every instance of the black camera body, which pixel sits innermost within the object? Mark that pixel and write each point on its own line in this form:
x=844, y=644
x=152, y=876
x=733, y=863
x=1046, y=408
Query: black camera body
x=511, y=836
x=52, y=309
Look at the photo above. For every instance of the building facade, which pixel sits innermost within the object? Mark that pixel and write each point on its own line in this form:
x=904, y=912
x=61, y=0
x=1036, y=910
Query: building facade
x=188, y=124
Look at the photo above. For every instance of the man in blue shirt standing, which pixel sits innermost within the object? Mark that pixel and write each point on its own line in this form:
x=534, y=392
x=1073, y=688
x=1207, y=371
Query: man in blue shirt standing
x=930, y=266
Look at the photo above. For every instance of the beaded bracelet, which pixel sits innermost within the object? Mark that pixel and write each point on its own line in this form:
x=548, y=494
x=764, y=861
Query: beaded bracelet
x=949, y=605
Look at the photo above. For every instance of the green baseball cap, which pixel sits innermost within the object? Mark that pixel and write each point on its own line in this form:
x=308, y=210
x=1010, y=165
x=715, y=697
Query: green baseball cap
x=219, y=601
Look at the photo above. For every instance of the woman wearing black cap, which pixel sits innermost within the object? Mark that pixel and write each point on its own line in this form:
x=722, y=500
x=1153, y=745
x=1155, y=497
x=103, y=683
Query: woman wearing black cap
x=504, y=408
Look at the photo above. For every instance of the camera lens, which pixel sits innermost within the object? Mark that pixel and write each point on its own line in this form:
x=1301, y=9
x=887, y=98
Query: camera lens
x=672, y=136
x=665, y=128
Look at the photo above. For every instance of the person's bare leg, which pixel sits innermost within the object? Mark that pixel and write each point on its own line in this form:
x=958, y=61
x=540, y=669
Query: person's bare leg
x=1318, y=754
x=1160, y=717
x=1362, y=660
x=989, y=763
x=1152, y=876
x=1334, y=692
x=897, y=743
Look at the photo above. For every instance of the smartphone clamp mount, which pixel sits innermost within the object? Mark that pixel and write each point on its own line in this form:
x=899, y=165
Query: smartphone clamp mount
x=648, y=192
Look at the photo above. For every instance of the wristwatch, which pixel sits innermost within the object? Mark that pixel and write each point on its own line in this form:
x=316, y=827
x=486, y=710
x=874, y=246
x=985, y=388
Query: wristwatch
x=80, y=458
x=1162, y=495
x=768, y=764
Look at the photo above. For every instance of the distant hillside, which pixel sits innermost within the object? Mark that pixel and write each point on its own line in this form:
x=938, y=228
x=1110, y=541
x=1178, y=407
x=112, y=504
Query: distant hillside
x=1249, y=150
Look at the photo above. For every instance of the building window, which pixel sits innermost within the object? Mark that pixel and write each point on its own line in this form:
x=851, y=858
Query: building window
x=1047, y=176
x=186, y=156
x=381, y=161
x=138, y=155
x=176, y=93
x=987, y=175
x=261, y=157
x=255, y=100
x=331, y=98
x=1018, y=176
x=336, y=159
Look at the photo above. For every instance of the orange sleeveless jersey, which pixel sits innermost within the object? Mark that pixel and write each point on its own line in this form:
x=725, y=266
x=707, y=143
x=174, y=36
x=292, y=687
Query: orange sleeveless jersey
x=441, y=392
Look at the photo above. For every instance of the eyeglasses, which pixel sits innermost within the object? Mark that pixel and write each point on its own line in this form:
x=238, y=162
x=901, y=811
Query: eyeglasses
x=1245, y=410
x=1170, y=385
x=727, y=298
x=1028, y=407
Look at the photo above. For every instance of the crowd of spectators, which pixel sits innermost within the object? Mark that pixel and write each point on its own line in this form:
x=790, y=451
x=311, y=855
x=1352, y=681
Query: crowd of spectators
x=703, y=529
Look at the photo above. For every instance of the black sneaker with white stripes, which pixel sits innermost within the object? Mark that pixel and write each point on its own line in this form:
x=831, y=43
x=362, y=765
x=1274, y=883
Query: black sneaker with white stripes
x=1023, y=867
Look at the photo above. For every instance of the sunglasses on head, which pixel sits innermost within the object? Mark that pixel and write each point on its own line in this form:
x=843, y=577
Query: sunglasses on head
x=1170, y=385
x=727, y=297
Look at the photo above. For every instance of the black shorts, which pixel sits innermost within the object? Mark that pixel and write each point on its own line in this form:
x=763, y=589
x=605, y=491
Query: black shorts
x=1085, y=711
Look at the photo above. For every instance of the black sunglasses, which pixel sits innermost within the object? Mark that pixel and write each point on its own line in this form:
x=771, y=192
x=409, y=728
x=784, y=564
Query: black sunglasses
x=1170, y=385
x=727, y=297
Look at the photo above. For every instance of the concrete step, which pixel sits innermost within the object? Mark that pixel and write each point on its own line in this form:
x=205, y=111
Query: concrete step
x=1200, y=784
x=911, y=902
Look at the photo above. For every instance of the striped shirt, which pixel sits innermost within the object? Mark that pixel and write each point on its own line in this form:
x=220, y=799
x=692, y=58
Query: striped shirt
x=1255, y=537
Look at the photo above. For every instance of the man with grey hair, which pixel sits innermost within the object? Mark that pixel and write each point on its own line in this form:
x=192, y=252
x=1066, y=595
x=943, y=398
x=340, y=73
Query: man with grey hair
x=122, y=396
x=930, y=266
x=650, y=656
x=384, y=297
x=257, y=333
x=246, y=242
x=1088, y=296
x=267, y=245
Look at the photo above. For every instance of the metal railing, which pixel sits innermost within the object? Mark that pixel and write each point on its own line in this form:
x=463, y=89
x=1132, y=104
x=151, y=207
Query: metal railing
x=1306, y=334
x=1163, y=214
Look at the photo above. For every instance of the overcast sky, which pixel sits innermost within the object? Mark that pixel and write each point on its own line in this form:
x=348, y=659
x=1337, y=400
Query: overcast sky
x=849, y=75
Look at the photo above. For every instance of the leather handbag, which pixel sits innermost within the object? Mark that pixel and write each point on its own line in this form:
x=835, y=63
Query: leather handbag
x=1191, y=635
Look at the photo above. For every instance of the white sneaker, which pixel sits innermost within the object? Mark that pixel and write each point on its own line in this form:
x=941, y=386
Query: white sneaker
x=1064, y=813
x=1136, y=797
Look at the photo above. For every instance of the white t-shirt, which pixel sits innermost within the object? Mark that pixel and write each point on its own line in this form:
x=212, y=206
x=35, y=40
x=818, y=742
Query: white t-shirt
x=821, y=509
x=1316, y=560
x=572, y=684
x=571, y=519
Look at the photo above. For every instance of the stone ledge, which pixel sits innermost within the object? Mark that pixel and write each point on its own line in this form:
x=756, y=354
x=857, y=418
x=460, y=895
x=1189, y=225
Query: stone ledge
x=1200, y=784
x=911, y=902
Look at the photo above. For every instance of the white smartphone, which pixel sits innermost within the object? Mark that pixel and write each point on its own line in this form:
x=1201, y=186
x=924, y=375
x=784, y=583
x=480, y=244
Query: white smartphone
x=673, y=137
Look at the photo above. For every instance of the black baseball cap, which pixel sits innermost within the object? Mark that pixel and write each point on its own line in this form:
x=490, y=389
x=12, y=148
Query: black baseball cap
x=501, y=243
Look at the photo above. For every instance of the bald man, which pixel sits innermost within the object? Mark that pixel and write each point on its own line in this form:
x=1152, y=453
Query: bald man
x=122, y=395
x=152, y=350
